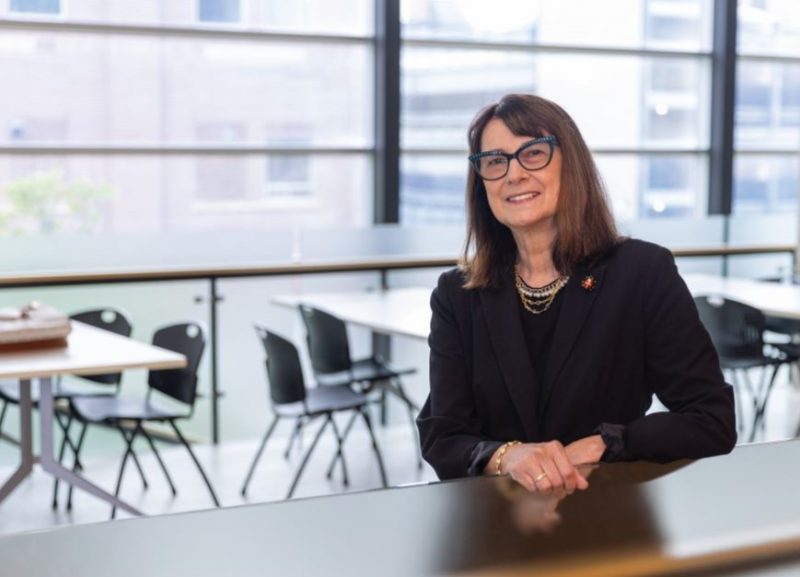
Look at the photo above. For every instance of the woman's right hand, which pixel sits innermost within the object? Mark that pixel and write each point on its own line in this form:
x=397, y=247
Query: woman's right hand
x=541, y=467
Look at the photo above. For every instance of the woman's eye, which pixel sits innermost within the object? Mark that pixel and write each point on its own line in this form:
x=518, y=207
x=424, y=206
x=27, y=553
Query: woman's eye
x=495, y=160
x=532, y=153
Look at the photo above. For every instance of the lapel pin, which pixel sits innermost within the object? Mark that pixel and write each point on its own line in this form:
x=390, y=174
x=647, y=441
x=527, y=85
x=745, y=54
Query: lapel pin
x=588, y=283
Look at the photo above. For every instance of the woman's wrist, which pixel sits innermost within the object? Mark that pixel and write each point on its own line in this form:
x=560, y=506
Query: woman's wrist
x=497, y=459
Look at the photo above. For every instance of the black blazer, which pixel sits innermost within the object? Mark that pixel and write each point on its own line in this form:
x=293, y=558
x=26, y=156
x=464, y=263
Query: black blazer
x=636, y=334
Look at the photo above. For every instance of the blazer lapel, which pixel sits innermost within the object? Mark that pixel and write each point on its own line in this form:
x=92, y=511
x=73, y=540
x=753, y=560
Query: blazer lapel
x=507, y=337
x=575, y=309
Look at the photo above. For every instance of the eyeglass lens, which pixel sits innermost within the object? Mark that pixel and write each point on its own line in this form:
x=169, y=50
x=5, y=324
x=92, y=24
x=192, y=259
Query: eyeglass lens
x=532, y=157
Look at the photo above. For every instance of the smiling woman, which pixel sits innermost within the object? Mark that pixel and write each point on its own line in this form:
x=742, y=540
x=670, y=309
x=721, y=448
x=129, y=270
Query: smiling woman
x=549, y=342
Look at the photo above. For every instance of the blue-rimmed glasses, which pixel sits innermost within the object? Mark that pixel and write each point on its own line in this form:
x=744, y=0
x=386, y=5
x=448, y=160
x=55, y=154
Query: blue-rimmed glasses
x=533, y=155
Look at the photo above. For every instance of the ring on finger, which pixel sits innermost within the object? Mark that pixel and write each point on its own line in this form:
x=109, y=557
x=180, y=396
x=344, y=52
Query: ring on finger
x=539, y=477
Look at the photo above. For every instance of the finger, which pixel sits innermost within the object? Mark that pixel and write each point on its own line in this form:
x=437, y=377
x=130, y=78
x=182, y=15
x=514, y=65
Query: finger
x=568, y=472
x=525, y=479
x=553, y=479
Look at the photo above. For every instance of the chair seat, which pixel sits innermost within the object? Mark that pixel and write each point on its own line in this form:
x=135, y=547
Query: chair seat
x=323, y=400
x=10, y=391
x=791, y=350
x=363, y=370
x=99, y=409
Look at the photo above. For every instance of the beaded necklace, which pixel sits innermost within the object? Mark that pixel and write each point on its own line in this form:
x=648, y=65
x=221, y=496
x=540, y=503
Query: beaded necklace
x=537, y=300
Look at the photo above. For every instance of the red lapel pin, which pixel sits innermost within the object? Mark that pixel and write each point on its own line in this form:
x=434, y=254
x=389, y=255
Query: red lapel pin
x=588, y=283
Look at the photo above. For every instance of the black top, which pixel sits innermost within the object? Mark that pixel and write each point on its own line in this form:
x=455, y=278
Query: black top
x=633, y=334
x=539, y=330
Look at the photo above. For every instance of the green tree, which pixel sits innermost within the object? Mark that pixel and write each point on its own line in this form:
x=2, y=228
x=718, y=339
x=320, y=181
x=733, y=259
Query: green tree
x=45, y=203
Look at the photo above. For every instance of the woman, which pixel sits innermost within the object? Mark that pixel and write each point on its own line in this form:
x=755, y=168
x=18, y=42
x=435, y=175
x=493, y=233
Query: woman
x=549, y=341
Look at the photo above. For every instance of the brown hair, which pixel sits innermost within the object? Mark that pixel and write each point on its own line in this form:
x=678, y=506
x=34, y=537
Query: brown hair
x=584, y=225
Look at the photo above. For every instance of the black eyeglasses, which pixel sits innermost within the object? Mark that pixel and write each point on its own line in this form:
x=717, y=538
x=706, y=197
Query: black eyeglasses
x=533, y=155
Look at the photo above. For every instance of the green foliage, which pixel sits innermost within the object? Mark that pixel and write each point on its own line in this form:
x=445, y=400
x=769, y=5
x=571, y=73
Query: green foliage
x=44, y=203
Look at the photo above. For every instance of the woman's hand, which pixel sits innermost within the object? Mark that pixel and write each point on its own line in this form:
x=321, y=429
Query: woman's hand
x=586, y=450
x=542, y=467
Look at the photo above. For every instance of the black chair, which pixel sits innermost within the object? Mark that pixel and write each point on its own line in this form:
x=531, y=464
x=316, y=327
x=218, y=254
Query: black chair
x=737, y=331
x=329, y=349
x=109, y=319
x=291, y=399
x=783, y=333
x=127, y=415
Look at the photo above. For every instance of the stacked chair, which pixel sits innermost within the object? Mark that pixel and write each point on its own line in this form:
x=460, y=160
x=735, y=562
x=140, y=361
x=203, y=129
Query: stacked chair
x=329, y=349
x=291, y=399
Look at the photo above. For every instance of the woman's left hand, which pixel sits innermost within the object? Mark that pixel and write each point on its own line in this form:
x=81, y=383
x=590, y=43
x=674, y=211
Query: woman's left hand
x=586, y=450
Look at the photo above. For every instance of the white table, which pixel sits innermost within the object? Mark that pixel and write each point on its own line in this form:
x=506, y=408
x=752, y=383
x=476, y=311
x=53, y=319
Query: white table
x=398, y=311
x=406, y=311
x=89, y=351
x=774, y=299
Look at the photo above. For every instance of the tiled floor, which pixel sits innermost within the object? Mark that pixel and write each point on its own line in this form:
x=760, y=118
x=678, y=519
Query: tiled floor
x=29, y=507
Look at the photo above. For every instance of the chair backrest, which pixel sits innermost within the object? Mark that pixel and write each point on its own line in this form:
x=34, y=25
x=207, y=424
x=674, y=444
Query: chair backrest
x=189, y=340
x=326, y=336
x=286, y=384
x=736, y=329
x=110, y=319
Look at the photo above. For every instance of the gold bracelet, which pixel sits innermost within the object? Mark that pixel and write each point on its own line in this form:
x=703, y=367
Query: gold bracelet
x=499, y=459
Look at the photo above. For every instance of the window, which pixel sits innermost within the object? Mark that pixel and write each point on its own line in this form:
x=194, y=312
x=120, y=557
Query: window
x=197, y=131
x=619, y=99
x=36, y=6
x=767, y=110
x=227, y=11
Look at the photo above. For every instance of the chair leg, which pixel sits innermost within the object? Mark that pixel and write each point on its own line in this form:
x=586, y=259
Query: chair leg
x=346, y=432
x=296, y=434
x=160, y=462
x=413, y=410
x=760, y=420
x=76, y=464
x=384, y=408
x=196, y=462
x=128, y=452
x=3, y=417
x=139, y=468
x=61, y=451
x=737, y=401
x=753, y=392
x=374, y=446
x=305, y=459
x=267, y=435
x=339, y=454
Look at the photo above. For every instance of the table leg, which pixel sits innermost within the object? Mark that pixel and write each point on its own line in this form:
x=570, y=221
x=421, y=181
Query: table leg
x=25, y=441
x=55, y=468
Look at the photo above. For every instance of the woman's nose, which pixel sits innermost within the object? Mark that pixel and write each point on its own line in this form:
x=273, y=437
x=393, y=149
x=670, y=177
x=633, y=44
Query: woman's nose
x=516, y=172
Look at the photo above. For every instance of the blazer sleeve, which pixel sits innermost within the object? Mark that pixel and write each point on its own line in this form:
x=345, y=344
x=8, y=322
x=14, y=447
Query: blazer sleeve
x=682, y=368
x=448, y=423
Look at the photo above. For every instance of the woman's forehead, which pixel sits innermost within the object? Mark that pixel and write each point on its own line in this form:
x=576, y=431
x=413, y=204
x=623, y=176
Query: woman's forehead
x=499, y=134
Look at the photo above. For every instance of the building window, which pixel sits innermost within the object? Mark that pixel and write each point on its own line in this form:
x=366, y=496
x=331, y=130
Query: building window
x=221, y=178
x=36, y=6
x=288, y=176
x=226, y=11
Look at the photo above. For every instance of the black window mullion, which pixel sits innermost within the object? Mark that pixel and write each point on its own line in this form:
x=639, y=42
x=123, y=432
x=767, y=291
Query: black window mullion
x=723, y=92
x=387, y=111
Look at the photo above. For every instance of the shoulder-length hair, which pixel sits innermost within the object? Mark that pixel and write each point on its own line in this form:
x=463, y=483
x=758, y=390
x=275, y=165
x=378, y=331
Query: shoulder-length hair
x=584, y=225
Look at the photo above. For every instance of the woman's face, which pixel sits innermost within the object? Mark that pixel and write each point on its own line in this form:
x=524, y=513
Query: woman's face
x=523, y=200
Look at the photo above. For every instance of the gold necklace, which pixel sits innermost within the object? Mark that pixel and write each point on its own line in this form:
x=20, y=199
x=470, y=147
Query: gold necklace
x=538, y=300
